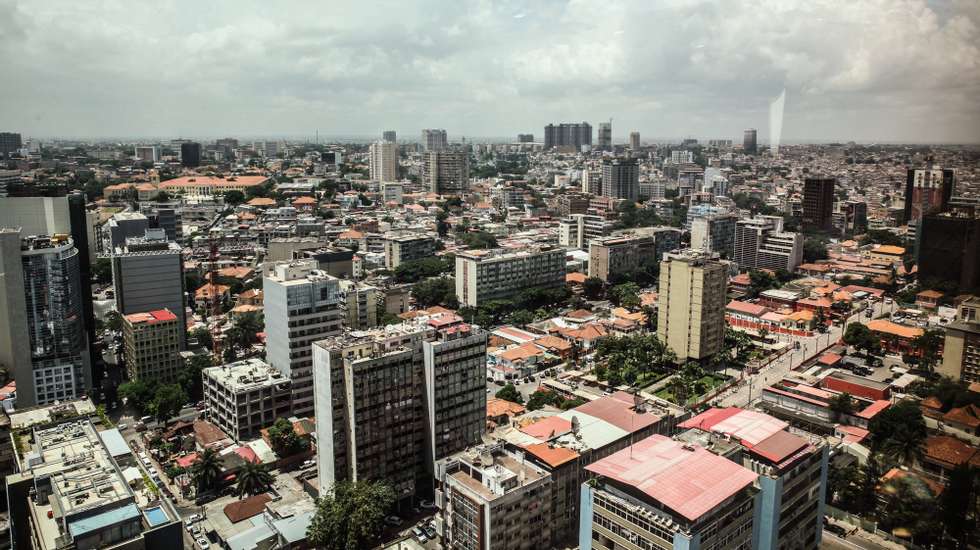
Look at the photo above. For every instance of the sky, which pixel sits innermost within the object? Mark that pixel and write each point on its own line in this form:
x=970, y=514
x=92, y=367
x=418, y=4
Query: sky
x=862, y=70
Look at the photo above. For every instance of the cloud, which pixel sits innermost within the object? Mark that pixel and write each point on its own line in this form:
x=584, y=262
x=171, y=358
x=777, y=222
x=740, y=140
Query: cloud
x=894, y=70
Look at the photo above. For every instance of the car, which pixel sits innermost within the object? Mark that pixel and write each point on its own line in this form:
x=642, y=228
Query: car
x=146, y=419
x=837, y=530
x=393, y=521
x=147, y=463
x=888, y=300
x=489, y=390
x=499, y=382
x=429, y=532
x=195, y=517
x=419, y=533
x=203, y=543
x=122, y=427
x=427, y=504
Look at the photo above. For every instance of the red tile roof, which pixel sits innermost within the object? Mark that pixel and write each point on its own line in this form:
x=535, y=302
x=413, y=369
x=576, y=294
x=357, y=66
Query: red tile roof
x=547, y=428
x=948, y=451
x=247, y=508
x=552, y=456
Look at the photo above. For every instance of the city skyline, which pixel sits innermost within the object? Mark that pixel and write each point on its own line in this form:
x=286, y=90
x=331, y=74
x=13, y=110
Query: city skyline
x=488, y=70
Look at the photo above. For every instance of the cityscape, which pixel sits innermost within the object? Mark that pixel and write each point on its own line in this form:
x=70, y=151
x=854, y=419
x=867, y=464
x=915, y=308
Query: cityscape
x=743, y=317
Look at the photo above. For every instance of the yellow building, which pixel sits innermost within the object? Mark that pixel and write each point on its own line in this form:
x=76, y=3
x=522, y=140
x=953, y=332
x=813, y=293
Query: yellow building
x=691, y=319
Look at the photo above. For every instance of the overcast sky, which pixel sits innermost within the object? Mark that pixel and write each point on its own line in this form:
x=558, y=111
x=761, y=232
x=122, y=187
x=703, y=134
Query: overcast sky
x=888, y=70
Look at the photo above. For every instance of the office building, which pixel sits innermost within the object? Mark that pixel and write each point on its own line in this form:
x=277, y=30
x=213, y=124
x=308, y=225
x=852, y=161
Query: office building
x=761, y=243
x=360, y=304
x=715, y=234
x=634, y=140
x=855, y=217
x=571, y=135
x=490, y=499
x=43, y=338
x=9, y=179
x=749, y=143
x=148, y=275
x=961, y=351
x=446, y=172
x=125, y=225
x=82, y=489
x=227, y=147
x=578, y=230
x=664, y=494
x=592, y=181
x=10, y=143
x=948, y=247
x=164, y=215
x=792, y=470
x=190, y=154
x=572, y=203
x=152, y=345
x=384, y=161
x=390, y=136
x=619, y=255
x=407, y=247
x=927, y=191
x=434, y=140
x=691, y=320
x=302, y=305
x=486, y=275
x=270, y=149
x=400, y=397
x=147, y=153
x=392, y=192
x=818, y=204
x=604, y=136
x=621, y=179
x=245, y=396
x=525, y=138
x=681, y=156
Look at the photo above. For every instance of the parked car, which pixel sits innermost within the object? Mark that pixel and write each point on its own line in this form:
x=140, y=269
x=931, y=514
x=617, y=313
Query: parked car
x=429, y=532
x=836, y=529
x=203, y=543
x=393, y=521
x=419, y=534
x=427, y=504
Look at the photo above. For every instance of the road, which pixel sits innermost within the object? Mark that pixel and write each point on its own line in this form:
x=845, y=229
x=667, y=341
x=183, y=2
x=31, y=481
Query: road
x=833, y=542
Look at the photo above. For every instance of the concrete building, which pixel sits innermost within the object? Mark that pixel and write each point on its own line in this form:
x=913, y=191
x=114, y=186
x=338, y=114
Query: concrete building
x=245, y=396
x=591, y=181
x=818, y=204
x=43, y=338
x=664, y=494
x=927, y=191
x=360, y=304
x=152, y=345
x=619, y=255
x=506, y=196
x=407, y=247
x=389, y=136
x=491, y=499
x=750, y=145
x=604, y=136
x=78, y=488
x=147, y=153
x=392, y=192
x=384, y=161
x=571, y=135
x=691, y=320
x=126, y=225
x=578, y=230
x=484, y=275
x=792, y=468
x=761, y=243
x=10, y=143
x=190, y=154
x=164, y=215
x=434, y=140
x=634, y=140
x=148, y=275
x=525, y=138
x=961, y=351
x=302, y=305
x=446, y=172
x=621, y=179
x=715, y=234
x=948, y=247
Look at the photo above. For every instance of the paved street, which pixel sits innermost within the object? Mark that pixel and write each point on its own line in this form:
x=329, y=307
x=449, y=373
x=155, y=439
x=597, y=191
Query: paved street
x=852, y=542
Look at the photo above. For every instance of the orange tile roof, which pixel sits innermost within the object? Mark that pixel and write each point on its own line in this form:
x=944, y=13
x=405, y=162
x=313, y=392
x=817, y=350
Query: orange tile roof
x=261, y=201
x=968, y=416
x=522, y=352
x=887, y=327
x=552, y=456
x=948, y=450
x=305, y=200
x=575, y=277
x=890, y=249
x=930, y=294
x=554, y=342
x=500, y=407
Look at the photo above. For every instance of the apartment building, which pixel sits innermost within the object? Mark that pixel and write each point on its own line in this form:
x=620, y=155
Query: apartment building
x=572, y=203
x=715, y=234
x=383, y=157
x=621, y=179
x=407, y=247
x=152, y=345
x=446, y=172
x=619, y=255
x=360, y=304
x=927, y=191
x=492, y=499
x=245, y=396
x=961, y=351
x=818, y=204
x=571, y=135
x=591, y=181
x=434, y=139
x=578, y=230
x=302, y=305
x=665, y=494
x=761, y=243
x=506, y=196
x=692, y=304
x=392, y=192
x=484, y=275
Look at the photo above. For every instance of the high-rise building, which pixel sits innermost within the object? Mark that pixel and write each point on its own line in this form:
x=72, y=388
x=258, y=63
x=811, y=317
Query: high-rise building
x=302, y=305
x=949, y=247
x=360, y=304
x=855, y=217
x=9, y=144
x=148, y=275
x=927, y=191
x=665, y=494
x=749, y=143
x=578, y=230
x=715, y=233
x=406, y=247
x=622, y=254
x=818, y=204
x=147, y=153
x=152, y=345
x=245, y=396
x=493, y=498
x=227, y=147
x=395, y=399
x=573, y=135
x=691, y=320
x=621, y=179
x=390, y=136
x=591, y=181
x=761, y=243
x=164, y=215
x=384, y=161
x=190, y=154
x=434, y=140
x=43, y=340
x=634, y=140
x=125, y=225
x=447, y=172
x=525, y=138
x=961, y=350
x=604, y=136
x=484, y=275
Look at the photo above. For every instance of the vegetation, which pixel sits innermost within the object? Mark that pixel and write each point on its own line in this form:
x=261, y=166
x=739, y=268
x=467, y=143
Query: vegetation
x=631, y=216
x=531, y=304
x=754, y=204
x=690, y=383
x=284, y=440
x=162, y=401
x=951, y=393
x=899, y=430
x=637, y=360
x=206, y=471
x=861, y=337
x=244, y=331
x=478, y=239
x=760, y=281
x=254, y=478
x=350, y=516
x=929, y=344
x=626, y=295
x=593, y=288
x=842, y=404
x=102, y=270
x=435, y=291
x=814, y=249
x=540, y=398
x=510, y=393
x=234, y=197
x=416, y=270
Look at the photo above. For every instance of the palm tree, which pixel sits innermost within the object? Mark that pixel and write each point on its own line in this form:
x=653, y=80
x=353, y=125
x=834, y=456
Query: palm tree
x=253, y=479
x=905, y=445
x=207, y=470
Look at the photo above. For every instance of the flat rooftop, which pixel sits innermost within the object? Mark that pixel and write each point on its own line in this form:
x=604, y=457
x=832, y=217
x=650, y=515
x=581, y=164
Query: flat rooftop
x=245, y=375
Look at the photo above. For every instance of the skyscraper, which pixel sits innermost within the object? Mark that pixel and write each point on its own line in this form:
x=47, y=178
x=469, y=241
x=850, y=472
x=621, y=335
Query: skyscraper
x=761, y=243
x=691, y=321
x=714, y=233
x=434, y=140
x=525, y=138
x=818, y=204
x=384, y=161
x=568, y=134
x=621, y=179
x=634, y=140
x=446, y=172
x=190, y=154
x=43, y=341
x=749, y=144
x=9, y=144
x=927, y=191
x=949, y=247
x=389, y=136
x=604, y=136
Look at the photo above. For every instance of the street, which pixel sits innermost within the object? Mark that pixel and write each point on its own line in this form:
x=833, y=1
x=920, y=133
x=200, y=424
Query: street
x=833, y=542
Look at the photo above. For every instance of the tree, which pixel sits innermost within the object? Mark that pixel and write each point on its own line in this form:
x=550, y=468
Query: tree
x=102, y=270
x=905, y=445
x=861, y=337
x=814, y=249
x=202, y=336
x=929, y=344
x=234, y=197
x=435, y=291
x=189, y=377
x=592, y=288
x=510, y=393
x=162, y=196
x=253, y=478
x=626, y=295
x=416, y=270
x=167, y=401
x=650, y=317
x=956, y=502
x=284, y=440
x=351, y=515
x=113, y=321
x=760, y=281
x=905, y=509
x=902, y=422
x=206, y=471
x=139, y=394
x=245, y=331
x=842, y=404
x=540, y=398
x=478, y=239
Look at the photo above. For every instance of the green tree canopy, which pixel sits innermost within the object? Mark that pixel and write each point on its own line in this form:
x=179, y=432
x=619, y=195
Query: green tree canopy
x=284, y=439
x=510, y=393
x=234, y=197
x=351, y=515
x=593, y=288
x=416, y=270
x=206, y=471
x=901, y=426
x=435, y=291
x=254, y=478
